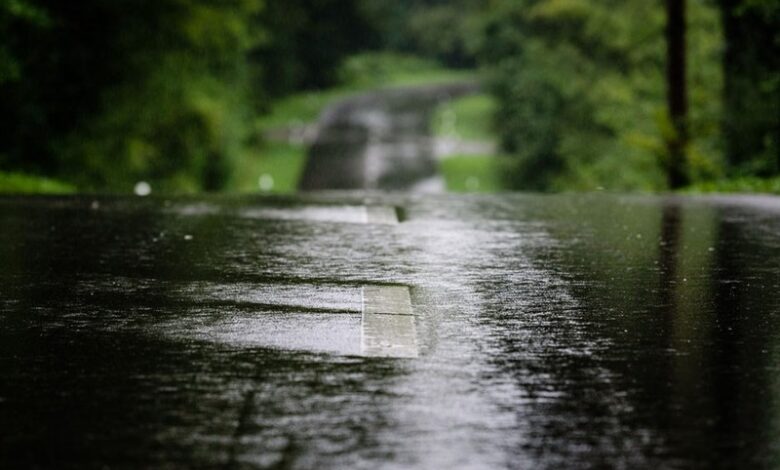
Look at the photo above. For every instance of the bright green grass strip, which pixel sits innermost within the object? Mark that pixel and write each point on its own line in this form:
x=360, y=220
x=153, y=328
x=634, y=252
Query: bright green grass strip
x=20, y=183
x=469, y=117
x=738, y=185
x=275, y=162
x=471, y=173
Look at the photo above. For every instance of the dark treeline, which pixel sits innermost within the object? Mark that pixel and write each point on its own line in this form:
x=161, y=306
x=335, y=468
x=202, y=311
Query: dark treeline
x=751, y=61
x=306, y=40
x=104, y=93
x=445, y=30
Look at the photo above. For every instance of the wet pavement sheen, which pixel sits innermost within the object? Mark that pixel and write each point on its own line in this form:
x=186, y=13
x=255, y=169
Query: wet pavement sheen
x=585, y=331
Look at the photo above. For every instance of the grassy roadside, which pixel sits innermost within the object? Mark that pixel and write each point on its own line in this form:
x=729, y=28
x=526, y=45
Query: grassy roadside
x=275, y=168
x=468, y=118
x=282, y=162
x=21, y=183
x=471, y=173
x=738, y=185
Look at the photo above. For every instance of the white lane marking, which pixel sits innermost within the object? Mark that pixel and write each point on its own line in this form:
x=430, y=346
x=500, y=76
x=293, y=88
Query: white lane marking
x=389, y=336
x=381, y=215
x=388, y=324
x=389, y=300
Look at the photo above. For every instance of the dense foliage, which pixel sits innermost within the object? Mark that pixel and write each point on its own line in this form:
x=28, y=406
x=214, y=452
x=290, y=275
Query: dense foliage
x=445, y=30
x=109, y=92
x=306, y=41
x=581, y=92
x=104, y=93
x=581, y=89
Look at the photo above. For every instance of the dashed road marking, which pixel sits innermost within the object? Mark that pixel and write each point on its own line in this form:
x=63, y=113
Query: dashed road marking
x=381, y=215
x=388, y=324
x=389, y=300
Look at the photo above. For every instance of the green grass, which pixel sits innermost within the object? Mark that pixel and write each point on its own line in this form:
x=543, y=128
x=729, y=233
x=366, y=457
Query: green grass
x=738, y=185
x=282, y=162
x=469, y=117
x=471, y=173
x=20, y=183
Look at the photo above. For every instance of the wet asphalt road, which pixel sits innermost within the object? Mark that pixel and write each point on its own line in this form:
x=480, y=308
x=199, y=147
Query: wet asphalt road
x=585, y=331
x=379, y=140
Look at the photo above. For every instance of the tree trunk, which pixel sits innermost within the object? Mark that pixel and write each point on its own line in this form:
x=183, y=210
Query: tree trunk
x=676, y=93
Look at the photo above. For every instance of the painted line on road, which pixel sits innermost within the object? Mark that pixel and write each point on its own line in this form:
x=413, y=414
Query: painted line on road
x=388, y=300
x=381, y=215
x=388, y=324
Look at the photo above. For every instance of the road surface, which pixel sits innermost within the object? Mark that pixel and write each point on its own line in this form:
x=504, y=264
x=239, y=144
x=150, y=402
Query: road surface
x=379, y=140
x=367, y=330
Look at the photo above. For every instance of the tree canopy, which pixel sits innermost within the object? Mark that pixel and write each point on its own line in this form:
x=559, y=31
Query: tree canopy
x=104, y=93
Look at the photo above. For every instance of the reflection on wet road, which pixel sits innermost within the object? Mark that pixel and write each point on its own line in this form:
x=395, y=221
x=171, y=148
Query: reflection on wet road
x=380, y=140
x=551, y=332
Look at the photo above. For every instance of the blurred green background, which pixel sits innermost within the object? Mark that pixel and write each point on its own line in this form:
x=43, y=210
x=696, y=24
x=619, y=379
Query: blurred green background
x=207, y=95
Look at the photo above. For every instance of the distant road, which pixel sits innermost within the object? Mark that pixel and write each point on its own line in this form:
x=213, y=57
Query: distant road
x=379, y=140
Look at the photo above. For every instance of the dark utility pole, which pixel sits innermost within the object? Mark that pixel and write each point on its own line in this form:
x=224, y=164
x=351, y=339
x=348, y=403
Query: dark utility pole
x=676, y=93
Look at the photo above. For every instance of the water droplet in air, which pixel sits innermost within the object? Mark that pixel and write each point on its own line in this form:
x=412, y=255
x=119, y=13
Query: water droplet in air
x=266, y=182
x=142, y=188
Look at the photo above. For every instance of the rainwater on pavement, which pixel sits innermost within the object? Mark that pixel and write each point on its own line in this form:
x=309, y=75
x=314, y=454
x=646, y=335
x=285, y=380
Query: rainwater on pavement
x=589, y=331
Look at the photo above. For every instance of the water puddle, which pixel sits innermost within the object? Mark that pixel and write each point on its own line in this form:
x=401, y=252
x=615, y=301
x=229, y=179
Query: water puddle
x=354, y=214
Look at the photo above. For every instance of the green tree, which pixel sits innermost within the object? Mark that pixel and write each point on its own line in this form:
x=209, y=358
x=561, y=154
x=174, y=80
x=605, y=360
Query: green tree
x=676, y=93
x=580, y=86
x=443, y=30
x=12, y=14
x=111, y=92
